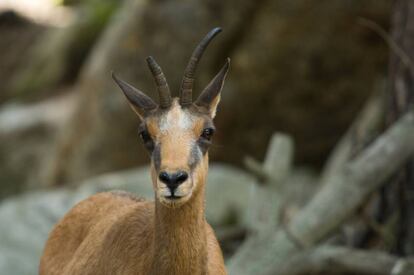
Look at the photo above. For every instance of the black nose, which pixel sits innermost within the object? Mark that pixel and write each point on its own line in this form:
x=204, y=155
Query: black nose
x=172, y=180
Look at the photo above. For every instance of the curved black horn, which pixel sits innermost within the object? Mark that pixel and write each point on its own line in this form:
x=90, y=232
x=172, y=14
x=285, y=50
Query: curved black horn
x=188, y=78
x=161, y=82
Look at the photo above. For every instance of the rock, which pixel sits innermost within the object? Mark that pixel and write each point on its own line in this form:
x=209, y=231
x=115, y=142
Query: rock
x=17, y=35
x=55, y=60
x=27, y=132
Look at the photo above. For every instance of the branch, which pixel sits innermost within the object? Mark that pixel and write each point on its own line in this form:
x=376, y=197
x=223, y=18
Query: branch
x=341, y=260
x=256, y=169
x=278, y=161
x=402, y=55
x=365, y=127
x=264, y=204
x=333, y=204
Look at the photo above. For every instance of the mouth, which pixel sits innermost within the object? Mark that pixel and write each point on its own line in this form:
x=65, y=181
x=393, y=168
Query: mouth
x=173, y=197
x=173, y=200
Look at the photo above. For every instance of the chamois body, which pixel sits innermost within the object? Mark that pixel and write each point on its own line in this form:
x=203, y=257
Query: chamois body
x=117, y=233
x=114, y=233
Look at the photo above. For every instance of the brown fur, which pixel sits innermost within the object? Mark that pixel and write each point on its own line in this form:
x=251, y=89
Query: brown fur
x=118, y=233
x=112, y=234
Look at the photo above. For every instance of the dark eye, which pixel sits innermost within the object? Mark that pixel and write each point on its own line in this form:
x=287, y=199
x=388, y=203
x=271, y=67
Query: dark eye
x=146, y=139
x=145, y=136
x=207, y=133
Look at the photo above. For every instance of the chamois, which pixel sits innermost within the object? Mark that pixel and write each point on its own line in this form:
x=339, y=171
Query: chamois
x=119, y=233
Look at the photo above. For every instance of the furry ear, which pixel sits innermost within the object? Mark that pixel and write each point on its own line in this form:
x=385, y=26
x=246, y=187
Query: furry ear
x=140, y=103
x=210, y=96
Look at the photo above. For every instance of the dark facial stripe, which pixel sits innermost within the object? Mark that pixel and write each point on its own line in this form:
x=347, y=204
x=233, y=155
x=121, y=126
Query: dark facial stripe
x=195, y=156
x=156, y=157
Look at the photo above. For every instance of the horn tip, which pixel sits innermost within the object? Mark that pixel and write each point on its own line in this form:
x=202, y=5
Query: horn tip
x=217, y=29
x=113, y=75
x=227, y=63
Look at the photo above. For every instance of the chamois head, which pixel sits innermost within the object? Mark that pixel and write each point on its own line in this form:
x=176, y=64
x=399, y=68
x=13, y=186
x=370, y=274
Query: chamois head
x=177, y=132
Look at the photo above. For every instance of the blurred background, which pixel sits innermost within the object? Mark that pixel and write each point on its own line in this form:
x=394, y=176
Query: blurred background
x=302, y=68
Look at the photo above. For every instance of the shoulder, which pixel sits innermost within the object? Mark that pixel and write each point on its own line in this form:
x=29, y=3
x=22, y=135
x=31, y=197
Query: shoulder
x=127, y=195
x=108, y=200
x=101, y=206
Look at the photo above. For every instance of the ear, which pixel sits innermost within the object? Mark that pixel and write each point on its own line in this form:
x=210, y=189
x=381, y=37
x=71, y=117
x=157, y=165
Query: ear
x=140, y=103
x=210, y=96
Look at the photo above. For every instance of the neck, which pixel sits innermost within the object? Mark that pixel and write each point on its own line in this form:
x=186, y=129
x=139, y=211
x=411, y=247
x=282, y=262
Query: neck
x=180, y=238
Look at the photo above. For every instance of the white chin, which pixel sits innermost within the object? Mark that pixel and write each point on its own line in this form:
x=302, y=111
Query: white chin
x=173, y=201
